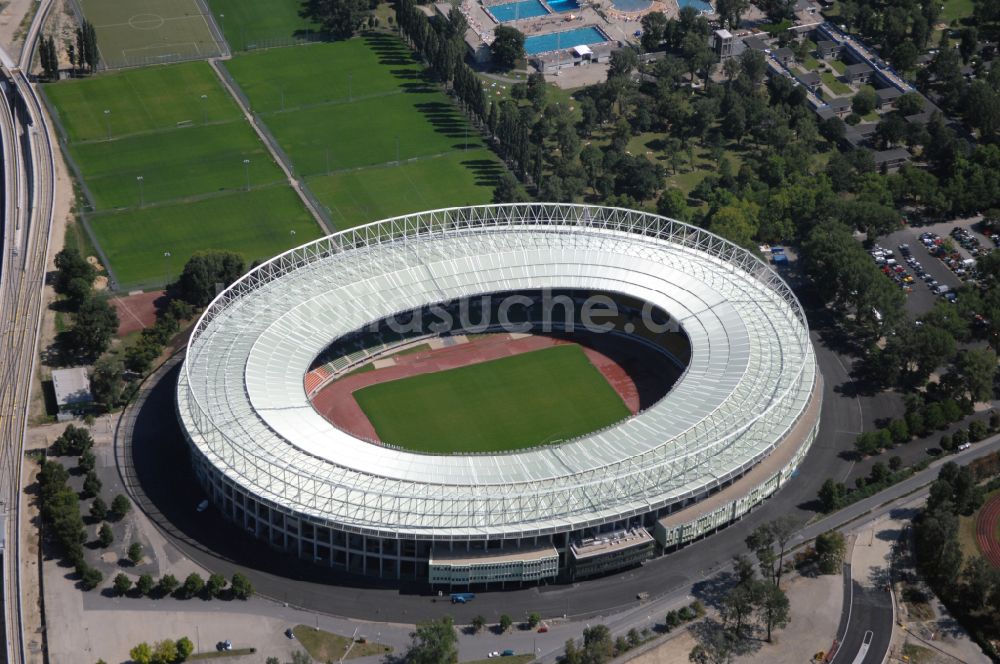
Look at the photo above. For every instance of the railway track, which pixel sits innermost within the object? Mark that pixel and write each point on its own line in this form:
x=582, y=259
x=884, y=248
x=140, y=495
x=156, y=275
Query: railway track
x=29, y=196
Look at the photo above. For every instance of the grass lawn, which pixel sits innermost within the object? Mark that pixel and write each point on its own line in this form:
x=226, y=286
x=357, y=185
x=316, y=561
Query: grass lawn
x=837, y=65
x=140, y=100
x=516, y=659
x=257, y=224
x=361, y=196
x=328, y=647
x=530, y=399
x=314, y=74
x=956, y=10
x=174, y=164
x=252, y=23
x=224, y=654
x=836, y=86
x=810, y=63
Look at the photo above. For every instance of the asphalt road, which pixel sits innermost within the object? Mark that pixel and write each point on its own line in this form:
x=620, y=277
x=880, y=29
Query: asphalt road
x=866, y=624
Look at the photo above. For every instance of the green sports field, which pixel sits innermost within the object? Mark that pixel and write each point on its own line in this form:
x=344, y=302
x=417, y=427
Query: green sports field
x=345, y=111
x=364, y=195
x=189, y=152
x=257, y=224
x=140, y=100
x=535, y=398
x=144, y=32
x=175, y=164
x=260, y=23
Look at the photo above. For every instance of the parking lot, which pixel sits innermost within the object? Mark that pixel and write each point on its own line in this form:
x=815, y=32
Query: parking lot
x=921, y=298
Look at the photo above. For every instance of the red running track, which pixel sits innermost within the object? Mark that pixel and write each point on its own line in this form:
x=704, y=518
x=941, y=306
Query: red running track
x=986, y=531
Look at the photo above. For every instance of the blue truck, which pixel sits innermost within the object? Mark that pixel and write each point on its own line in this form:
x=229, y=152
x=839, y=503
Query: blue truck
x=462, y=598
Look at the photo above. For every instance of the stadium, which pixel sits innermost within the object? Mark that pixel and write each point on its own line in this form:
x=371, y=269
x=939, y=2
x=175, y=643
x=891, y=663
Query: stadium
x=739, y=416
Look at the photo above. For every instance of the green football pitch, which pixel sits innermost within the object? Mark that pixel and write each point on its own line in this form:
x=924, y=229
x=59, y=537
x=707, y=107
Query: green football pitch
x=144, y=32
x=531, y=399
x=177, y=129
x=252, y=24
x=362, y=124
x=257, y=224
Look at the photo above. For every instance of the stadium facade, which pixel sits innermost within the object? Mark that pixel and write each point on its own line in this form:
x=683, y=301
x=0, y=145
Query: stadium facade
x=731, y=431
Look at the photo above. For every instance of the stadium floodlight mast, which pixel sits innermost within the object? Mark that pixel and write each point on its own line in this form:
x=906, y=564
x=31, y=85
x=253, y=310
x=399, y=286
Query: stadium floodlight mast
x=107, y=122
x=166, y=263
x=139, y=179
x=204, y=109
x=246, y=167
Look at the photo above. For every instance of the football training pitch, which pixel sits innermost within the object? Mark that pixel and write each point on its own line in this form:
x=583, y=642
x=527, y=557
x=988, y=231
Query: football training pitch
x=536, y=398
x=131, y=34
x=165, y=148
x=360, y=122
x=250, y=24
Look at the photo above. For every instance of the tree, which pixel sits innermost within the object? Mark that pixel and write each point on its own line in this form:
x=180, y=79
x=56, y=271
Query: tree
x=91, y=485
x=731, y=11
x=72, y=267
x=830, y=550
x=508, y=190
x=776, y=10
x=895, y=463
x=120, y=506
x=773, y=608
x=184, y=648
x=433, y=642
x=478, y=622
x=87, y=461
x=505, y=623
x=340, y=18
x=122, y=584
x=715, y=646
x=95, y=324
x=106, y=382
x=977, y=367
x=165, y=652
x=73, y=441
x=145, y=584
x=168, y=583
x=831, y=495
x=135, y=553
x=598, y=646
x=215, y=585
x=141, y=654
x=622, y=62
x=864, y=100
x=909, y=104
x=241, y=586
x=104, y=536
x=98, y=509
x=206, y=273
x=533, y=619
x=49, y=57
x=90, y=577
x=508, y=46
x=654, y=25
x=193, y=585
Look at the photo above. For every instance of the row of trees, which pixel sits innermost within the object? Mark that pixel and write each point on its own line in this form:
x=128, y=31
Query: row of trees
x=194, y=585
x=166, y=651
x=970, y=588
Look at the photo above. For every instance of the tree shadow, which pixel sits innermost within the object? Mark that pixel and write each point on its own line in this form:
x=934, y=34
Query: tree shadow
x=712, y=591
x=390, y=50
x=486, y=171
x=444, y=117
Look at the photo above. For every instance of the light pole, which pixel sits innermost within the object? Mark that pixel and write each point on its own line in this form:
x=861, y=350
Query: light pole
x=166, y=280
x=246, y=167
x=139, y=179
x=222, y=20
x=397, y=149
x=107, y=122
x=204, y=109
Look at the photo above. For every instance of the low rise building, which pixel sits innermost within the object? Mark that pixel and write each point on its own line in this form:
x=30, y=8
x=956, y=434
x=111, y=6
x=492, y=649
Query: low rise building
x=892, y=158
x=886, y=97
x=859, y=72
x=827, y=49
x=514, y=565
x=72, y=390
x=723, y=44
x=610, y=552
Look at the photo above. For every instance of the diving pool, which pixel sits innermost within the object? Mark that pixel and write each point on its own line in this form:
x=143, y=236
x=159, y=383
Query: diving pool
x=515, y=11
x=564, y=5
x=700, y=5
x=551, y=41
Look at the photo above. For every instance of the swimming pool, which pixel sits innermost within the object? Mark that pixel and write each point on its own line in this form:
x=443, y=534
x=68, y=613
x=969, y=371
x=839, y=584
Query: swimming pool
x=551, y=41
x=631, y=5
x=514, y=11
x=700, y=5
x=564, y=5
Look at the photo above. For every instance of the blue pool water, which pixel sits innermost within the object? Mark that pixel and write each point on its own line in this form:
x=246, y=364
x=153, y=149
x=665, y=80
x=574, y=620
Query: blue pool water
x=551, y=41
x=700, y=5
x=514, y=11
x=633, y=5
x=564, y=5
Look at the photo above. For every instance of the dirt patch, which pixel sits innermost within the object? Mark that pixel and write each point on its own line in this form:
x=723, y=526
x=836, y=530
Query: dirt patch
x=136, y=312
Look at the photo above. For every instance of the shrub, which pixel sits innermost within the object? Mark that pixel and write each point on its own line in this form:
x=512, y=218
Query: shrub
x=122, y=584
x=98, y=509
x=104, y=536
x=145, y=584
x=241, y=586
x=168, y=584
x=946, y=443
x=960, y=437
x=895, y=463
x=120, y=506
x=977, y=430
x=90, y=578
x=91, y=485
x=135, y=553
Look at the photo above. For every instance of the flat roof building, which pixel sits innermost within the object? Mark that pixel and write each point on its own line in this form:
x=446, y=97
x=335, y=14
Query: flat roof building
x=72, y=388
